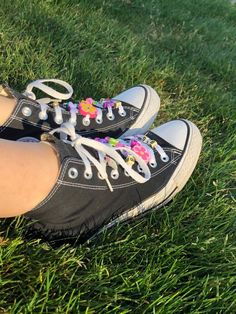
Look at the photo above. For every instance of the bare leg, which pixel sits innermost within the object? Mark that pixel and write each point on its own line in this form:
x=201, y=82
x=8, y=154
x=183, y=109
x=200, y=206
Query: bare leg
x=28, y=171
x=7, y=105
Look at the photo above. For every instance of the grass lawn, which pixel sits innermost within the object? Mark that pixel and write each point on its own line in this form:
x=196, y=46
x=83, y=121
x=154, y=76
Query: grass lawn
x=181, y=258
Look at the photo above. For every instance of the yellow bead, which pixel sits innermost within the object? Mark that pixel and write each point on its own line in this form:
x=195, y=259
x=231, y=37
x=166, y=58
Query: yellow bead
x=118, y=104
x=130, y=160
x=145, y=139
x=56, y=103
x=153, y=144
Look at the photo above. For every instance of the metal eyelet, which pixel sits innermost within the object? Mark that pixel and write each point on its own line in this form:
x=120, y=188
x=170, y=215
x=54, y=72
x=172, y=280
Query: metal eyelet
x=140, y=169
x=114, y=175
x=73, y=173
x=100, y=177
x=122, y=114
x=27, y=112
x=165, y=158
x=88, y=175
x=86, y=122
x=153, y=164
x=99, y=121
x=110, y=117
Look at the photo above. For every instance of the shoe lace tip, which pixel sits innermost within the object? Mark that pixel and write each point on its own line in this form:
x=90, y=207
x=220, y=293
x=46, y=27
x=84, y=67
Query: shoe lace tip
x=109, y=185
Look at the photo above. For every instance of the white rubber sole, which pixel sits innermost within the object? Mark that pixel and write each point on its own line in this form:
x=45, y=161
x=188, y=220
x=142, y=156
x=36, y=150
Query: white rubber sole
x=175, y=184
x=148, y=113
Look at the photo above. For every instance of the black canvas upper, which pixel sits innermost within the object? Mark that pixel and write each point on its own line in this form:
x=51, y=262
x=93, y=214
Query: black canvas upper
x=77, y=208
x=19, y=126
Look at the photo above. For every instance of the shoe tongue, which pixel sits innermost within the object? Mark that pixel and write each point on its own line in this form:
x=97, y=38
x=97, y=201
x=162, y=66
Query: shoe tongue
x=64, y=150
x=6, y=91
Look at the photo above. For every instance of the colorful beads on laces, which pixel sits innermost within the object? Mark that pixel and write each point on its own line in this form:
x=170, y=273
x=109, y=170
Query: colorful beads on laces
x=113, y=142
x=108, y=103
x=110, y=140
x=101, y=140
x=87, y=108
x=72, y=107
x=134, y=145
x=130, y=160
x=142, y=152
x=153, y=144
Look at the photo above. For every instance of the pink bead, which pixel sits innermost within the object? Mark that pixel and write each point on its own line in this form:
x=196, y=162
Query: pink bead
x=133, y=143
x=89, y=100
x=120, y=145
x=142, y=152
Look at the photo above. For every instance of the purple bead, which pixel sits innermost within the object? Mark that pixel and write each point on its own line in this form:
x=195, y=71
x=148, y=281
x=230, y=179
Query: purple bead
x=103, y=140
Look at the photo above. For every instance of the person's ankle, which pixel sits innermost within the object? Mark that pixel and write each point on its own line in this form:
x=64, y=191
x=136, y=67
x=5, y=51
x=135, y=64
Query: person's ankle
x=7, y=105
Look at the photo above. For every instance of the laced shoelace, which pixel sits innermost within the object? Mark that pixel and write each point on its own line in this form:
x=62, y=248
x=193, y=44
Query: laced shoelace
x=88, y=108
x=113, y=153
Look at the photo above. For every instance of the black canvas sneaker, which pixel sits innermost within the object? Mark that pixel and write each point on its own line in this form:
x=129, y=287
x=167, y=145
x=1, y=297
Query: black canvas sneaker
x=132, y=111
x=106, y=181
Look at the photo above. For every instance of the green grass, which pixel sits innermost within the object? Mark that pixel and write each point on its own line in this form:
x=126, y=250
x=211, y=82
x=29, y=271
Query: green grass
x=182, y=258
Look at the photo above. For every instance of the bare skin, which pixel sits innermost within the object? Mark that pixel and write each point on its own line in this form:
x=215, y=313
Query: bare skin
x=28, y=171
x=7, y=105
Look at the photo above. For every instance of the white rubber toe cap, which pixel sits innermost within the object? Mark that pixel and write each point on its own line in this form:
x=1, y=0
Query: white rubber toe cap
x=134, y=96
x=145, y=99
x=174, y=132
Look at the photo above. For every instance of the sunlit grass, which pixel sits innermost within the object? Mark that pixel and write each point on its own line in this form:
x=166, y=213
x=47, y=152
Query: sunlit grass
x=182, y=258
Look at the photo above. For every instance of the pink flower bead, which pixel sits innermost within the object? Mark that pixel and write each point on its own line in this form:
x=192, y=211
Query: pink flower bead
x=87, y=109
x=133, y=143
x=142, y=152
x=89, y=100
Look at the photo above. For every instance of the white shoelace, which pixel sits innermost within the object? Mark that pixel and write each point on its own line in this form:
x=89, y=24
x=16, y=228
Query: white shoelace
x=58, y=97
x=108, y=156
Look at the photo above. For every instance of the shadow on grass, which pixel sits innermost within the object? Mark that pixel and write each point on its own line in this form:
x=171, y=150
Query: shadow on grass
x=169, y=41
